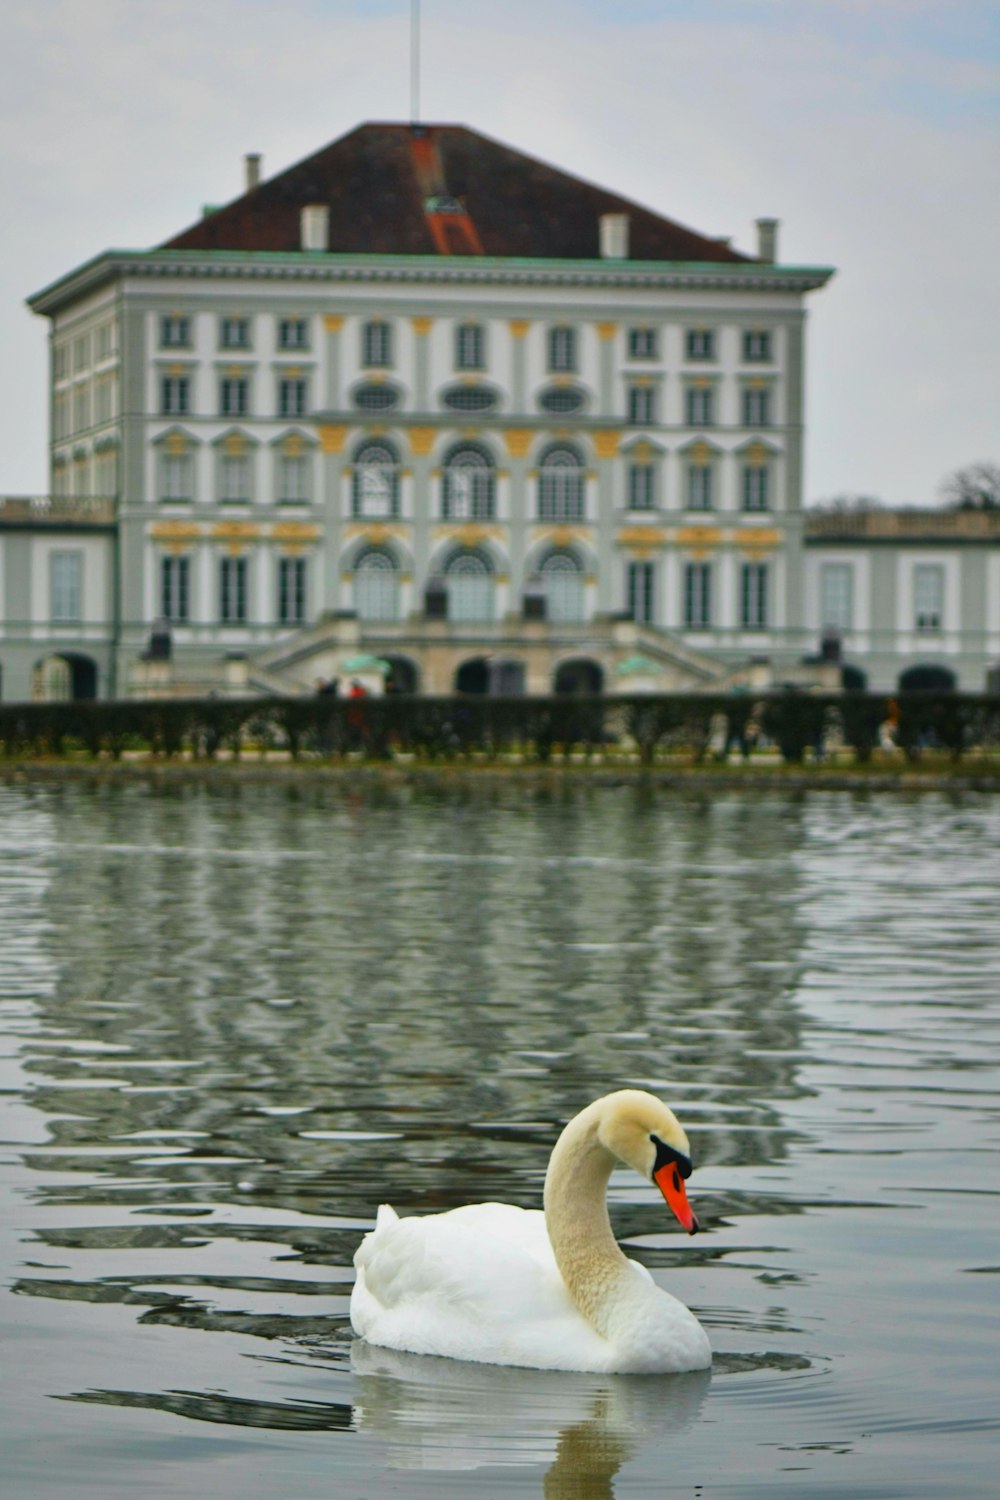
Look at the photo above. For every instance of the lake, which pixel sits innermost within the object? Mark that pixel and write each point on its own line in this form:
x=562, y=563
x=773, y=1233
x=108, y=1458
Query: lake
x=238, y=1014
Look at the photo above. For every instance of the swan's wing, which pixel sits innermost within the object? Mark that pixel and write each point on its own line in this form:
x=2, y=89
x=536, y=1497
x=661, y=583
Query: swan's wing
x=479, y=1283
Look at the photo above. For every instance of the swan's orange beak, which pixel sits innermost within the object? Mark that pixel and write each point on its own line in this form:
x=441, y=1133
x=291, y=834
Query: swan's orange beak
x=670, y=1183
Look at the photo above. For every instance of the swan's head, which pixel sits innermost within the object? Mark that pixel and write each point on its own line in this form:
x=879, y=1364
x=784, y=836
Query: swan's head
x=642, y=1132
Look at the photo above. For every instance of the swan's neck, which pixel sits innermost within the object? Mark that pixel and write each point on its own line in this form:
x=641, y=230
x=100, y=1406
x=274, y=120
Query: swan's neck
x=576, y=1215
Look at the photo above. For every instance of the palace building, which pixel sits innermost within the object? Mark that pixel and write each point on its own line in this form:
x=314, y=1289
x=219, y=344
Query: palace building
x=425, y=410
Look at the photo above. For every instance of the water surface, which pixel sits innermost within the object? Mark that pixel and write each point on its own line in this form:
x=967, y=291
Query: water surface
x=236, y=1017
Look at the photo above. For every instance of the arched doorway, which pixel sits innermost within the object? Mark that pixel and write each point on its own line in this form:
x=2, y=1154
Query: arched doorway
x=404, y=676
x=926, y=677
x=473, y=676
x=65, y=677
x=562, y=580
x=376, y=585
x=853, y=679
x=507, y=678
x=469, y=581
x=580, y=676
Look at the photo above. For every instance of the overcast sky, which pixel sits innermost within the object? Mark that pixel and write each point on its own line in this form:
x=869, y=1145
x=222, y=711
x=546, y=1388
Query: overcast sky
x=871, y=128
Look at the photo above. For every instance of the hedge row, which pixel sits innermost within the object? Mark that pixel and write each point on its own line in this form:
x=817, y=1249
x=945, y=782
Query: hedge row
x=700, y=725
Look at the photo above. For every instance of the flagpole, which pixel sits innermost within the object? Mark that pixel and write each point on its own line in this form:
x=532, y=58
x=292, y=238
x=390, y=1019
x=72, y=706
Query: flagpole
x=414, y=61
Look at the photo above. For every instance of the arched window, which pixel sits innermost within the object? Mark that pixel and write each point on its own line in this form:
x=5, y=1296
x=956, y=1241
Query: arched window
x=469, y=578
x=562, y=578
x=376, y=481
x=469, y=485
x=376, y=585
x=560, y=485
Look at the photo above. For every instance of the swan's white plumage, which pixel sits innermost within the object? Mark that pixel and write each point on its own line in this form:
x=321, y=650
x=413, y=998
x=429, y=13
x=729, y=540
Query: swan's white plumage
x=483, y=1283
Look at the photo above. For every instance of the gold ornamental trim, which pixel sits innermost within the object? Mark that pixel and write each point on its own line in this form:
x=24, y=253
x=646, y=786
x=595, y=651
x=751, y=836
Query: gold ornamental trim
x=757, y=539
x=236, y=531
x=332, y=438
x=700, y=453
x=376, y=533
x=294, y=531
x=422, y=325
x=698, y=536
x=561, y=536
x=333, y=322
x=606, y=444
x=175, y=531
x=176, y=443
x=469, y=533
x=642, y=536
x=606, y=331
x=235, y=445
x=422, y=440
x=758, y=454
x=518, y=327
x=518, y=440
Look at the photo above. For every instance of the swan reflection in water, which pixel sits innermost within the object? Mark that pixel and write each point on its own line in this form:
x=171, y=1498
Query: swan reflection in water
x=444, y=1414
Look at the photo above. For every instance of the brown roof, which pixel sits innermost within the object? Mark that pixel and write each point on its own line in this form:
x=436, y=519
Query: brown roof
x=440, y=189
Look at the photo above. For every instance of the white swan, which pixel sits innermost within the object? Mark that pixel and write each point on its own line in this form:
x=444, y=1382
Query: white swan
x=508, y=1286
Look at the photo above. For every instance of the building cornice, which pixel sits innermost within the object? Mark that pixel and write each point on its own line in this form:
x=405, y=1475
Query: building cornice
x=421, y=270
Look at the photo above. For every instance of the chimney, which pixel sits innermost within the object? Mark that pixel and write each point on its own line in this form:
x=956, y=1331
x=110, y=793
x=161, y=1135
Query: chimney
x=767, y=240
x=251, y=165
x=314, y=226
x=614, y=236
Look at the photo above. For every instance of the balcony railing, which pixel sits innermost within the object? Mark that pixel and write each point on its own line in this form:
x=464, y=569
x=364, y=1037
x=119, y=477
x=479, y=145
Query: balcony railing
x=57, y=510
x=904, y=525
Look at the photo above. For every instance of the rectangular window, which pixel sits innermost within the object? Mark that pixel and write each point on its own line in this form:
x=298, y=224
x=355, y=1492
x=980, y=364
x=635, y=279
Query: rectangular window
x=66, y=582
x=60, y=362
x=176, y=478
x=562, y=349
x=293, y=480
x=175, y=395
x=233, y=590
x=756, y=487
x=81, y=353
x=376, y=344
x=641, y=405
x=757, y=408
x=234, y=479
x=836, y=587
x=103, y=404
x=292, y=396
x=175, y=589
x=234, y=333
x=234, y=396
x=753, y=595
x=81, y=409
x=175, y=332
x=293, y=333
x=757, y=345
x=699, y=343
x=700, y=485
x=699, y=402
x=469, y=347
x=102, y=341
x=291, y=590
x=641, y=588
x=928, y=596
x=642, y=487
x=642, y=343
x=697, y=595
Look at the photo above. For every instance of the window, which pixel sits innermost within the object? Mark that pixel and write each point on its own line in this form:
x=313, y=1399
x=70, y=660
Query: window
x=234, y=396
x=697, y=595
x=104, y=392
x=700, y=487
x=234, y=333
x=81, y=353
x=376, y=481
x=469, y=347
x=469, y=398
x=376, y=585
x=562, y=348
x=699, y=343
x=757, y=345
x=836, y=587
x=699, y=402
x=175, y=332
x=175, y=589
x=376, y=397
x=293, y=479
x=470, y=587
x=291, y=590
x=468, y=491
x=641, y=405
x=60, y=362
x=176, y=478
x=928, y=596
x=234, y=479
x=753, y=595
x=640, y=585
x=233, y=590
x=560, y=485
x=376, y=344
x=81, y=408
x=562, y=578
x=642, y=343
x=642, y=487
x=292, y=396
x=756, y=487
x=757, y=408
x=562, y=400
x=293, y=333
x=175, y=395
x=66, y=581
